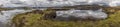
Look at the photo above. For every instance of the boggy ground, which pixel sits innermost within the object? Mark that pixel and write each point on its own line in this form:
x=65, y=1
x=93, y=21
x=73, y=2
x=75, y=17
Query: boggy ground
x=37, y=18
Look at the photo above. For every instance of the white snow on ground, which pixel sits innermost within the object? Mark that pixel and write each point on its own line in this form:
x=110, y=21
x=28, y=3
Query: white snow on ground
x=5, y=16
x=52, y=3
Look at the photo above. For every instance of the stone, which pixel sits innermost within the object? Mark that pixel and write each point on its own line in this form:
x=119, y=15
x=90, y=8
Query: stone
x=80, y=14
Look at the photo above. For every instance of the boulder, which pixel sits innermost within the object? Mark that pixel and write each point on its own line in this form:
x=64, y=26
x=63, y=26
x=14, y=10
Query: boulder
x=80, y=14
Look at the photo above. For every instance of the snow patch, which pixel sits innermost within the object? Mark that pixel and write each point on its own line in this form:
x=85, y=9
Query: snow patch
x=54, y=3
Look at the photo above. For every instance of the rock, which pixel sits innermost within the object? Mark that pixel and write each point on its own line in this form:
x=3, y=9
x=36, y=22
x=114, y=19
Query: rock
x=80, y=14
